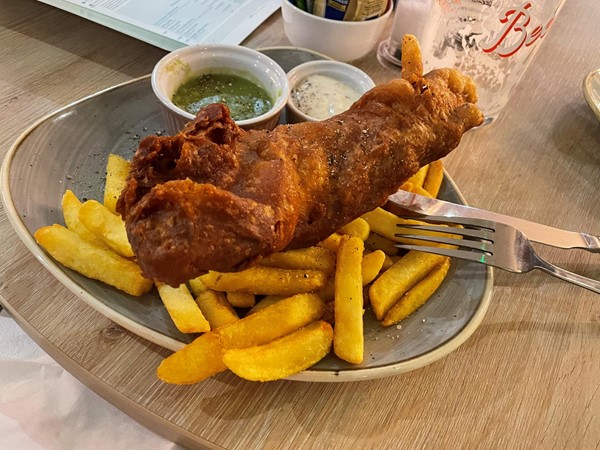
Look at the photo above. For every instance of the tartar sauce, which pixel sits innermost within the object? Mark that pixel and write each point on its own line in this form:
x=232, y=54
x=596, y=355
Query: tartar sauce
x=321, y=97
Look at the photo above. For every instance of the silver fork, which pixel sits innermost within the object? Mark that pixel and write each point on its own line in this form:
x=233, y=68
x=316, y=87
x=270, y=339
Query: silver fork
x=491, y=243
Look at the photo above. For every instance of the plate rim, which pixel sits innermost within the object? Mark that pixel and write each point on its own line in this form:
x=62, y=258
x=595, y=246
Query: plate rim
x=54, y=268
x=588, y=92
x=172, y=344
x=295, y=49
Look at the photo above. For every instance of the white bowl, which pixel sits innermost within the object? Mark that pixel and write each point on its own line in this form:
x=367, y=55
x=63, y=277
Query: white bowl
x=341, y=40
x=180, y=65
x=345, y=73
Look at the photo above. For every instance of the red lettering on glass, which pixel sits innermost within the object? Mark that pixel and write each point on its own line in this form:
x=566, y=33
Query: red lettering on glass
x=515, y=29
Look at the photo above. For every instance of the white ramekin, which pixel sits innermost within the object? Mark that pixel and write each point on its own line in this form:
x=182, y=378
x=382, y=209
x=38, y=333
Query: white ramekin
x=180, y=65
x=345, y=73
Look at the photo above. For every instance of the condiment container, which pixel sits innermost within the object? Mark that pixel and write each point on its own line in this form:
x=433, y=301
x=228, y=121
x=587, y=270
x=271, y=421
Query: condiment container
x=338, y=39
x=330, y=84
x=181, y=65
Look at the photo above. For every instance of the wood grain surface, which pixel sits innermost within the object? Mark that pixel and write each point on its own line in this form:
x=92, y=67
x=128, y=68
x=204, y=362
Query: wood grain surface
x=528, y=377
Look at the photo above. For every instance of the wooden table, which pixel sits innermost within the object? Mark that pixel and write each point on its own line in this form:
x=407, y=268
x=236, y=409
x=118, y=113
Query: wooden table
x=528, y=378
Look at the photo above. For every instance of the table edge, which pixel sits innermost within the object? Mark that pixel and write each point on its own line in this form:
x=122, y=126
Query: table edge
x=143, y=416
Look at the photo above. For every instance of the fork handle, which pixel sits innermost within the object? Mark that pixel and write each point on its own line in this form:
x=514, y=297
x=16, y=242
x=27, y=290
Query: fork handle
x=579, y=280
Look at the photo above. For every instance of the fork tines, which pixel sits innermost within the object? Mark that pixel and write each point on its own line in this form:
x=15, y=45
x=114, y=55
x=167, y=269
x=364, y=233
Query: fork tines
x=474, y=243
x=492, y=243
x=475, y=223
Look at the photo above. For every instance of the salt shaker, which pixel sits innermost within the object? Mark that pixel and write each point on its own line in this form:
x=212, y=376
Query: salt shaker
x=416, y=17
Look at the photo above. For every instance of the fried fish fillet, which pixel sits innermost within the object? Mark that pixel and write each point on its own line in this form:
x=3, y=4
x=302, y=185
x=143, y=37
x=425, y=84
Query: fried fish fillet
x=216, y=197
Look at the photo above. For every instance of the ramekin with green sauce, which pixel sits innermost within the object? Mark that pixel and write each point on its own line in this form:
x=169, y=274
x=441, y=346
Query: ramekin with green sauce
x=253, y=85
x=245, y=98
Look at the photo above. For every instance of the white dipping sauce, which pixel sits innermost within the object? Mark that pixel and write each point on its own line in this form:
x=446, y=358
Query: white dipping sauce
x=321, y=97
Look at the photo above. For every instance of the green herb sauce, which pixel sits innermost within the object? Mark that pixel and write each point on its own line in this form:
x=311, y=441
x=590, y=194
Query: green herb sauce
x=244, y=98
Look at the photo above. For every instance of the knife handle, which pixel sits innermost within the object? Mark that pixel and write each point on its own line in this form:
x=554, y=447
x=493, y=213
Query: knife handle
x=416, y=206
x=592, y=243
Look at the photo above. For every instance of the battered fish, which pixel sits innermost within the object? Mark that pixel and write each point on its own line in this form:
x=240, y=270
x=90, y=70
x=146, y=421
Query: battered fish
x=216, y=197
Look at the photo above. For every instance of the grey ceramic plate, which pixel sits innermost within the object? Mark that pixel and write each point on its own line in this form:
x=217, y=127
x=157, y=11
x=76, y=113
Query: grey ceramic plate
x=68, y=149
x=591, y=90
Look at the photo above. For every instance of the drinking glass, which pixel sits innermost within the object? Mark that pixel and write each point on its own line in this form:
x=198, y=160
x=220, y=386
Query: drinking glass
x=493, y=41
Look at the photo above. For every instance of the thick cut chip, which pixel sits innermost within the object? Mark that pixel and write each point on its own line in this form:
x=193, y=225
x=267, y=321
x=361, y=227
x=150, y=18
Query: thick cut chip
x=348, y=338
x=284, y=357
x=371, y=265
x=311, y=258
x=392, y=284
x=377, y=242
x=117, y=170
x=264, y=302
x=195, y=362
x=389, y=261
x=107, y=226
x=197, y=286
x=182, y=308
x=417, y=179
x=266, y=281
x=357, y=228
x=99, y=263
x=70, y=208
x=412, y=60
x=273, y=322
x=435, y=176
x=420, y=191
x=388, y=225
x=417, y=296
x=331, y=243
x=407, y=186
x=385, y=223
x=241, y=299
x=216, y=309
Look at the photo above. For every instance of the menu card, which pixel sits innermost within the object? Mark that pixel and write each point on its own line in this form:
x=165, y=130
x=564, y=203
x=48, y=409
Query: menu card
x=170, y=24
